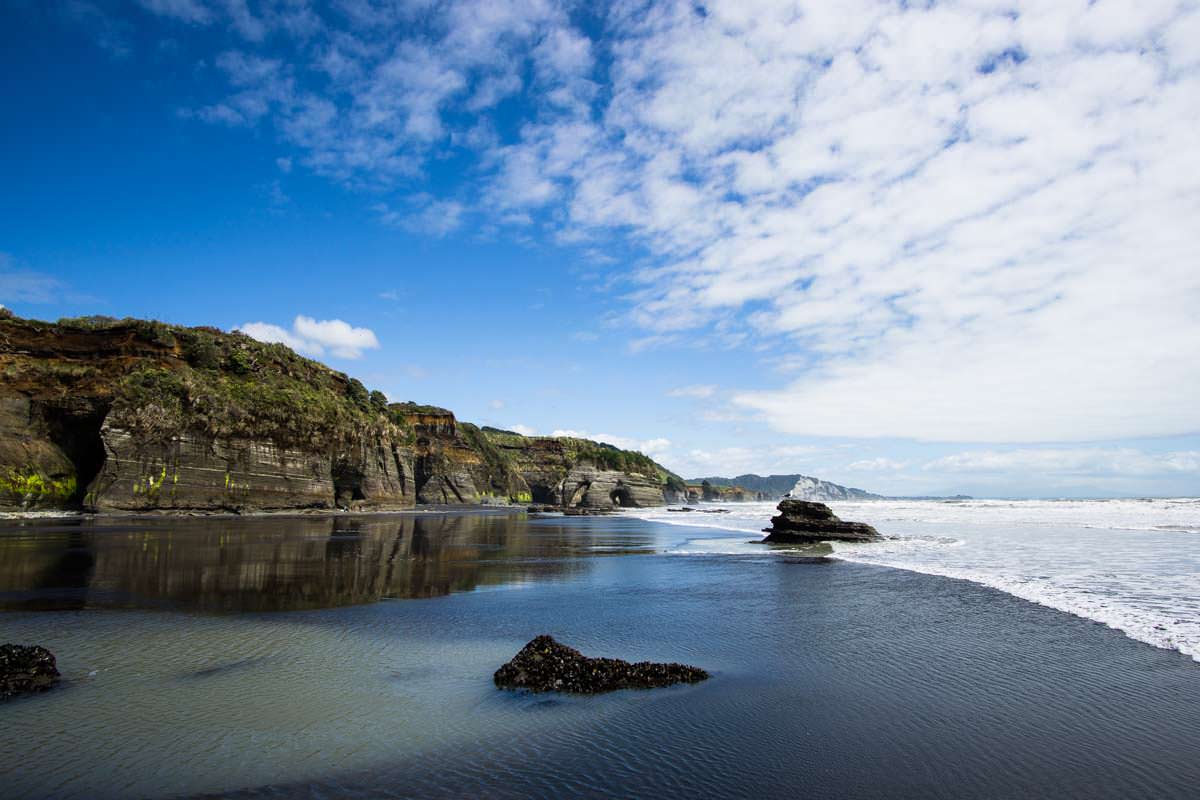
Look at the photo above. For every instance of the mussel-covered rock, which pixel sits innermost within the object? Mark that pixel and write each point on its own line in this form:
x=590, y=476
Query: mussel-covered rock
x=803, y=522
x=544, y=665
x=25, y=669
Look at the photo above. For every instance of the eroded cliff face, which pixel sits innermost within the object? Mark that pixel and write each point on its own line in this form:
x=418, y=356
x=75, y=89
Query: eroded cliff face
x=716, y=493
x=192, y=470
x=453, y=463
x=131, y=415
x=577, y=473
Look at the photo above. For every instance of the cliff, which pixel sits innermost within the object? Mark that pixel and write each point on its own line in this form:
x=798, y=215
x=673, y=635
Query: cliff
x=709, y=492
x=132, y=415
x=566, y=471
x=807, y=488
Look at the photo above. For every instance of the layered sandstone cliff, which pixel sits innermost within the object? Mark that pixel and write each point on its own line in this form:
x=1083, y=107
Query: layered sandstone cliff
x=566, y=471
x=131, y=415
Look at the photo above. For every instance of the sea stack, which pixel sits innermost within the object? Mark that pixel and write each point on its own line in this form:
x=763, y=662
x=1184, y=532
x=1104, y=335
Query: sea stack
x=804, y=522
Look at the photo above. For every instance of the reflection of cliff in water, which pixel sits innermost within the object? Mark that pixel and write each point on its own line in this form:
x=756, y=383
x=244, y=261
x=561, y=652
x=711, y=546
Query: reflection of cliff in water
x=275, y=564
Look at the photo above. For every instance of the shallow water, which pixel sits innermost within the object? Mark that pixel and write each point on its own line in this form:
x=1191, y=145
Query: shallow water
x=352, y=657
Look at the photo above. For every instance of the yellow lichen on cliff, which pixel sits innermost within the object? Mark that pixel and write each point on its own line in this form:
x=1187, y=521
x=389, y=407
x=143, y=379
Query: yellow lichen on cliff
x=30, y=486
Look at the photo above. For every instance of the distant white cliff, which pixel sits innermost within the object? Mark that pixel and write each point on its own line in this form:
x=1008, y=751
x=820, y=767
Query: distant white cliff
x=807, y=488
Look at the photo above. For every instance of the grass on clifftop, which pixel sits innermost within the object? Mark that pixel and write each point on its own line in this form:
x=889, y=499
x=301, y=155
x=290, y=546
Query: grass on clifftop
x=230, y=385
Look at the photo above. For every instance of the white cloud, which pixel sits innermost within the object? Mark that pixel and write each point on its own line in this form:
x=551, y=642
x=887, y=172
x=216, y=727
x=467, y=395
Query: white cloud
x=27, y=286
x=292, y=17
x=109, y=33
x=21, y=285
x=194, y=11
x=340, y=337
x=1088, y=461
x=698, y=391
x=392, y=75
x=266, y=332
x=739, y=460
x=524, y=430
x=245, y=23
x=655, y=448
x=315, y=337
x=431, y=216
x=876, y=465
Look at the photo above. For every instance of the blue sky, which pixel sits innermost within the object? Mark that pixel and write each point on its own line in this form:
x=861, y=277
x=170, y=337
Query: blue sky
x=914, y=248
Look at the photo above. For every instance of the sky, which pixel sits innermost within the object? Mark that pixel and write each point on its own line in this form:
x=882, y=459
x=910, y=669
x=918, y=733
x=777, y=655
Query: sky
x=914, y=247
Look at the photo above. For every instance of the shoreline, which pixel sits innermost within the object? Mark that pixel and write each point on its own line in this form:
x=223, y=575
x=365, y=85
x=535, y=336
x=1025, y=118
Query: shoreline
x=474, y=508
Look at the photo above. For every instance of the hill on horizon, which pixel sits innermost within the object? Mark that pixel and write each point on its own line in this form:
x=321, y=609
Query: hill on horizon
x=779, y=485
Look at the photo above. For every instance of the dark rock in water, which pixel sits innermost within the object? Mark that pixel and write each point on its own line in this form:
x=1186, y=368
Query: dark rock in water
x=802, y=522
x=585, y=511
x=544, y=665
x=24, y=670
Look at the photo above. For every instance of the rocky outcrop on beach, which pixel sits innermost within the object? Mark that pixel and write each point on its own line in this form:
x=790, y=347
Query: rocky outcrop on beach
x=545, y=665
x=25, y=670
x=803, y=522
x=134, y=415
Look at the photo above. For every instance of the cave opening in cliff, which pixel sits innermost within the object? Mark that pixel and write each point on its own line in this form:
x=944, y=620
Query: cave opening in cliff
x=75, y=429
x=621, y=496
x=347, y=484
x=544, y=495
x=422, y=471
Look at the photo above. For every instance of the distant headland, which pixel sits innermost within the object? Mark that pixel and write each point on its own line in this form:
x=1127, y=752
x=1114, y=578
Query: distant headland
x=751, y=487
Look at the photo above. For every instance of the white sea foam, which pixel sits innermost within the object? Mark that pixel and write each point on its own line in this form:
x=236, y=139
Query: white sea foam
x=1133, y=565
x=37, y=514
